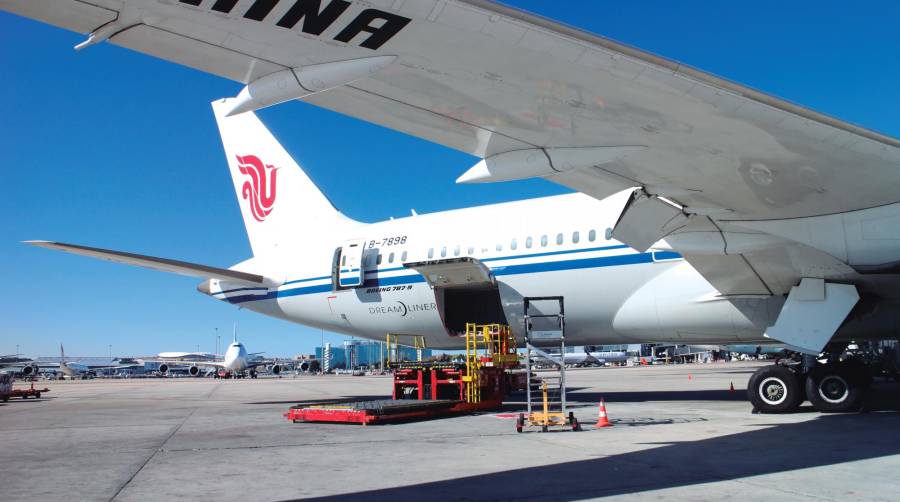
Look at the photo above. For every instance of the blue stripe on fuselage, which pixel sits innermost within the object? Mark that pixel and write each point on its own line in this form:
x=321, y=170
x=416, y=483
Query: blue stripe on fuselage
x=526, y=268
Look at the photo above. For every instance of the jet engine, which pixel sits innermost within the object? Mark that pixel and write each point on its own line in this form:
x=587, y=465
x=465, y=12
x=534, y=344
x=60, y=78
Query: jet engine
x=275, y=369
x=29, y=370
x=163, y=369
x=304, y=366
x=194, y=370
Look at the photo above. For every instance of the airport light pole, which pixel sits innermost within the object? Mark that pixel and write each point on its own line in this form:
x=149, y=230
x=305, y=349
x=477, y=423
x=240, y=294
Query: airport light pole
x=217, y=341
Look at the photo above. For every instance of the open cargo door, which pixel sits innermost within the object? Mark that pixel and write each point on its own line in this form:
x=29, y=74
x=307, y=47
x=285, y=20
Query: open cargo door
x=465, y=291
x=454, y=273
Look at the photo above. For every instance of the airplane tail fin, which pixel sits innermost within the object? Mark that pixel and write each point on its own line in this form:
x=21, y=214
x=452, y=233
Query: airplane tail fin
x=62, y=353
x=278, y=201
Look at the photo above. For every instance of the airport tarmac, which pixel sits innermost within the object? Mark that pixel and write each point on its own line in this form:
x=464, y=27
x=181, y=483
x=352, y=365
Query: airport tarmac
x=679, y=434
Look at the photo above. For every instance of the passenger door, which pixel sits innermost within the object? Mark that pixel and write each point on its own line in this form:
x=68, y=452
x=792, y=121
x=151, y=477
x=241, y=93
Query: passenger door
x=350, y=265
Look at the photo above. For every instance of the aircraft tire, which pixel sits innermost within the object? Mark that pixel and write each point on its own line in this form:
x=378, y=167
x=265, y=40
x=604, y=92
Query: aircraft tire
x=775, y=389
x=836, y=388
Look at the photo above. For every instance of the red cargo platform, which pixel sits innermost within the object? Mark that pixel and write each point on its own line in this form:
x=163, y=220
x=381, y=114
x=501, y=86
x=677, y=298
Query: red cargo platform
x=384, y=411
x=421, y=390
x=23, y=393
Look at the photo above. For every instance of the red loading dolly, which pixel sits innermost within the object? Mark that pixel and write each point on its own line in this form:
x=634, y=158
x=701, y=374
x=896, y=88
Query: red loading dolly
x=383, y=411
x=421, y=390
x=24, y=393
x=429, y=389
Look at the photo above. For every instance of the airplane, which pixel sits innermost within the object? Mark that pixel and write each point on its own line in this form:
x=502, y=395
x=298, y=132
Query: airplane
x=235, y=363
x=76, y=369
x=705, y=211
x=588, y=357
x=18, y=366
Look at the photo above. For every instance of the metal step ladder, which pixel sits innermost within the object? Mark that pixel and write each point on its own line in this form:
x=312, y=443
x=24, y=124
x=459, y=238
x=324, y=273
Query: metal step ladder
x=544, y=333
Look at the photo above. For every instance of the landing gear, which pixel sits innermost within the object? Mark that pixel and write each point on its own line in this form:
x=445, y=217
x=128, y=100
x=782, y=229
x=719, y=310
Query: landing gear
x=834, y=382
x=775, y=389
x=252, y=373
x=836, y=387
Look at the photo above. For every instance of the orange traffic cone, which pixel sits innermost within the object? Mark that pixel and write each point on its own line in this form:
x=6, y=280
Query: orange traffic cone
x=602, y=419
x=690, y=377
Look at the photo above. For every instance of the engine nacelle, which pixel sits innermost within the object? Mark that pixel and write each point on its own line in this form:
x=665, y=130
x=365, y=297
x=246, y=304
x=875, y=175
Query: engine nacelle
x=163, y=369
x=194, y=371
x=275, y=369
x=304, y=366
x=29, y=370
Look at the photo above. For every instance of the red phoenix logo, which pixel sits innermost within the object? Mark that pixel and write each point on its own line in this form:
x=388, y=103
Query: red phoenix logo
x=260, y=188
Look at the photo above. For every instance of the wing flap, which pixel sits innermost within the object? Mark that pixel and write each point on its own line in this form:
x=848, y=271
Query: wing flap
x=155, y=263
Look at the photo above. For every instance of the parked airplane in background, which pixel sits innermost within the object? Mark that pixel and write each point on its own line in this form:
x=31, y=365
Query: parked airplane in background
x=18, y=366
x=235, y=363
x=77, y=369
x=707, y=212
x=588, y=357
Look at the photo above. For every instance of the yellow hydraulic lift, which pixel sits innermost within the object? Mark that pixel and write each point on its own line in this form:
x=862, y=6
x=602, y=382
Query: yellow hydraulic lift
x=487, y=345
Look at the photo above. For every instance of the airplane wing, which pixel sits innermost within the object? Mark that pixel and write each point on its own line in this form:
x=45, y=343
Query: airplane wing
x=152, y=262
x=757, y=193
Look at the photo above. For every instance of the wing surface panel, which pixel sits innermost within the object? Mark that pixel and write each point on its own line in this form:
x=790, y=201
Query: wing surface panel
x=486, y=79
x=155, y=263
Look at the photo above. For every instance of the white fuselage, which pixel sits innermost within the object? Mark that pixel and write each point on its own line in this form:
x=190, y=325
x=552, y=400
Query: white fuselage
x=553, y=246
x=235, y=359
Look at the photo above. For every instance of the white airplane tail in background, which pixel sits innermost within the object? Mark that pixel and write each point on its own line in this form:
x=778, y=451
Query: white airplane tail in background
x=278, y=201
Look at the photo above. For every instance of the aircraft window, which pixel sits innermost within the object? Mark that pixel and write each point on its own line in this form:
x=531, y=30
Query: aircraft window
x=513, y=245
x=378, y=261
x=391, y=258
x=559, y=239
x=543, y=241
x=528, y=242
x=344, y=261
x=608, y=234
x=443, y=251
x=456, y=251
x=592, y=235
x=499, y=247
x=403, y=257
x=576, y=237
x=471, y=250
x=430, y=253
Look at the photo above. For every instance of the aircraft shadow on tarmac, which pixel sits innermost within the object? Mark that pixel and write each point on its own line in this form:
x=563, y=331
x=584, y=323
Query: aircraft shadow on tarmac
x=821, y=441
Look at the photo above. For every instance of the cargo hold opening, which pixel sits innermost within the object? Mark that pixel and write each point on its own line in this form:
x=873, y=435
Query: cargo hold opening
x=465, y=292
x=459, y=306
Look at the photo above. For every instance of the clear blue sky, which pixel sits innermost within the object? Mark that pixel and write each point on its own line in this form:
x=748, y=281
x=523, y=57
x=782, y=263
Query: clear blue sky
x=115, y=149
